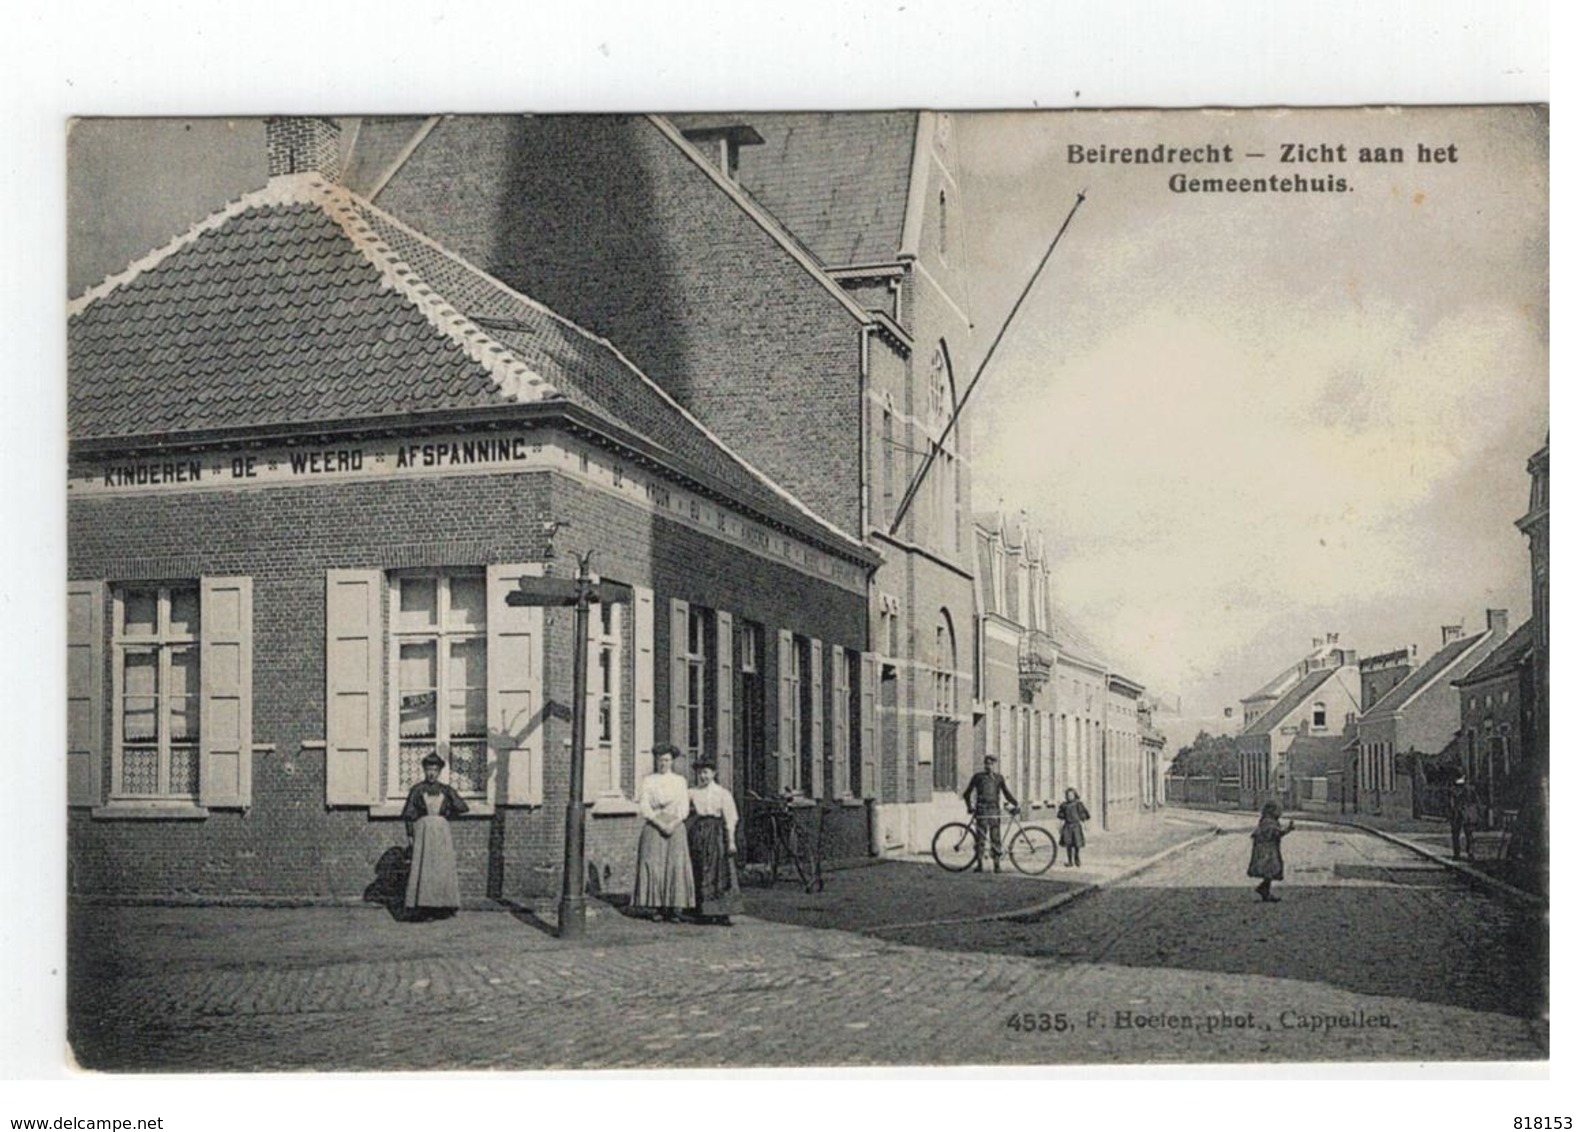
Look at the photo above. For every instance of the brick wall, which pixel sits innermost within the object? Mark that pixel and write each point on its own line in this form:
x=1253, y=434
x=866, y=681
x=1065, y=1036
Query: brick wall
x=288, y=843
x=606, y=221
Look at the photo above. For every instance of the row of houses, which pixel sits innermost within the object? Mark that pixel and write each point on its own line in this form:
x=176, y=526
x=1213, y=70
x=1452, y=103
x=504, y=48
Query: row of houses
x=319, y=439
x=1388, y=733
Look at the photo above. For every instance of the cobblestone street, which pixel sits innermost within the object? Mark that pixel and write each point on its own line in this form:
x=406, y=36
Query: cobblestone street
x=1373, y=955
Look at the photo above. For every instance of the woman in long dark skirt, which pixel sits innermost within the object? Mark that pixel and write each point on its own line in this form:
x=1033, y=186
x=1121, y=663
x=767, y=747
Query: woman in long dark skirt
x=1072, y=813
x=711, y=837
x=1267, y=860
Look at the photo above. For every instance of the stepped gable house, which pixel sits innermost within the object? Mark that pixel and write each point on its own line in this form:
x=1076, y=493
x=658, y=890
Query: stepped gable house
x=311, y=452
x=797, y=283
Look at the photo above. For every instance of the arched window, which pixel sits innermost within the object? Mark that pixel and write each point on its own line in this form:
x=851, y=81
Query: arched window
x=941, y=386
x=944, y=659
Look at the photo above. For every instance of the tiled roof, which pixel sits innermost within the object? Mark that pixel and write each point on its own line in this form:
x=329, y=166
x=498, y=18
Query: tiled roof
x=304, y=304
x=273, y=316
x=1275, y=715
x=1506, y=658
x=839, y=182
x=1439, y=663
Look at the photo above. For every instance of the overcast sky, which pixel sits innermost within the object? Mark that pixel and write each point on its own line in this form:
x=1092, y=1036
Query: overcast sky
x=1242, y=421
x=1248, y=420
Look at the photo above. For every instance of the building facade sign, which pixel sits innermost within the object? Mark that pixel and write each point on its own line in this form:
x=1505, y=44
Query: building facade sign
x=452, y=454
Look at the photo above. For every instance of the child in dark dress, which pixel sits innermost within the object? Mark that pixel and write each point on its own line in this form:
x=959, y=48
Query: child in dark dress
x=1267, y=861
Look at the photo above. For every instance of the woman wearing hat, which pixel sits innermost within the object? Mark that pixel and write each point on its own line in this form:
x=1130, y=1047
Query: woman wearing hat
x=432, y=888
x=711, y=837
x=664, y=866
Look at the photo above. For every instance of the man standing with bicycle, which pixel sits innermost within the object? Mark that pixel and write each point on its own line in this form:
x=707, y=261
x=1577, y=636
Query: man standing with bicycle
x=982, y=801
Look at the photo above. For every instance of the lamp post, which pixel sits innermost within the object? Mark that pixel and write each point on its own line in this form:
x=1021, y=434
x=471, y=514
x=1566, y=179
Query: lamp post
x=580, y=593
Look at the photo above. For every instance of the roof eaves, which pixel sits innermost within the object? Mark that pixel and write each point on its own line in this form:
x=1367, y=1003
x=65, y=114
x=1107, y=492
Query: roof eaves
x=762, y=218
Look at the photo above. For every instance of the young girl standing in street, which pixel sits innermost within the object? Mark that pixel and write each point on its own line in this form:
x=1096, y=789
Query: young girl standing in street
x=1267, y=861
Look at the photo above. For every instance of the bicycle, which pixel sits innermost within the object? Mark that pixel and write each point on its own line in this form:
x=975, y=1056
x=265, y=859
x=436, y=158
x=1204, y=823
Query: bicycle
x=776, y=834
x=960, y=844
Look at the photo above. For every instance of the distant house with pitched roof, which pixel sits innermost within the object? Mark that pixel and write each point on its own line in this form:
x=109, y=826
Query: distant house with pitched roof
x=1419, y=716
x=312, y=450
x=1498, y=720
x=1324, y=695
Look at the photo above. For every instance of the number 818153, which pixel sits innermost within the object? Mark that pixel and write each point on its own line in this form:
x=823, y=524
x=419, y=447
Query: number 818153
x=1542, y=1124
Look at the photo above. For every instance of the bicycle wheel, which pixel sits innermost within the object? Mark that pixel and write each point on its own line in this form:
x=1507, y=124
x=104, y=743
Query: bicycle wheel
x=954, y=847
x=1032, y=850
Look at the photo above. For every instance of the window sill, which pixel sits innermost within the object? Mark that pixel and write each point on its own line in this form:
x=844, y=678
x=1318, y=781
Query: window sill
x=613, y=805
x=150, y=811
x=395, y=809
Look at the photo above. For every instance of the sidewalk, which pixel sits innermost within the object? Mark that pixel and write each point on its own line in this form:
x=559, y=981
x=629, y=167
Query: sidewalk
x=871, y=895
x=1429, y=837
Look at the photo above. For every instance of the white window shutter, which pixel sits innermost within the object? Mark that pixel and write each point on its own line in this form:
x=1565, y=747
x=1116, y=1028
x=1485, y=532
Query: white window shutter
x=515, y=695
x=724, y=697
x=680, y=614
x=84, y=693
x=642, y=635
x=786, y=741
x=840, y=720
x=353, y=654
x=815, y=665
x=869, y=725
x=225, y=744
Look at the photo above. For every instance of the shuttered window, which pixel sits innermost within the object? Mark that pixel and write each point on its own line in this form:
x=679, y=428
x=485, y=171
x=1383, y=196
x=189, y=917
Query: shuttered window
x=180, y=694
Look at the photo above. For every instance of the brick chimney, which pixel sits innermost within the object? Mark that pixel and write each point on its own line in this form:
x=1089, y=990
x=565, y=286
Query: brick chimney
x=303, y=145
x=1452, y=632
x=1499, y=622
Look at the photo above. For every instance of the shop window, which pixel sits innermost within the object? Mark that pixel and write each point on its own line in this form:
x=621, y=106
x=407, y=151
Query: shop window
x=440, y=648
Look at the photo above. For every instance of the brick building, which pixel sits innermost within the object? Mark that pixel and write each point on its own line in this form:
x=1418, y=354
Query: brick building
x=1051, y=708
x=311, y=451
x=1498, y=725
x=761, y=269
x=1418, y=716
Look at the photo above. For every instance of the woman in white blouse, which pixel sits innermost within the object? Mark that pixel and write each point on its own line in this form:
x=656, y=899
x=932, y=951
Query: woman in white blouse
x=711, y=834
x=664, y=866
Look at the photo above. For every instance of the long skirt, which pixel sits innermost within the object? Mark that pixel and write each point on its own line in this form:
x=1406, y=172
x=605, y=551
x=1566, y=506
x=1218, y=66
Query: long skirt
x=717, y=891
x=1267, y=861
x=664, y=871
x=433, y=882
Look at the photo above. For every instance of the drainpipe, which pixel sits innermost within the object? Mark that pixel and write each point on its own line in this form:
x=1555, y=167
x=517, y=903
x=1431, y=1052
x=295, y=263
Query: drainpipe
x=864, y=380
